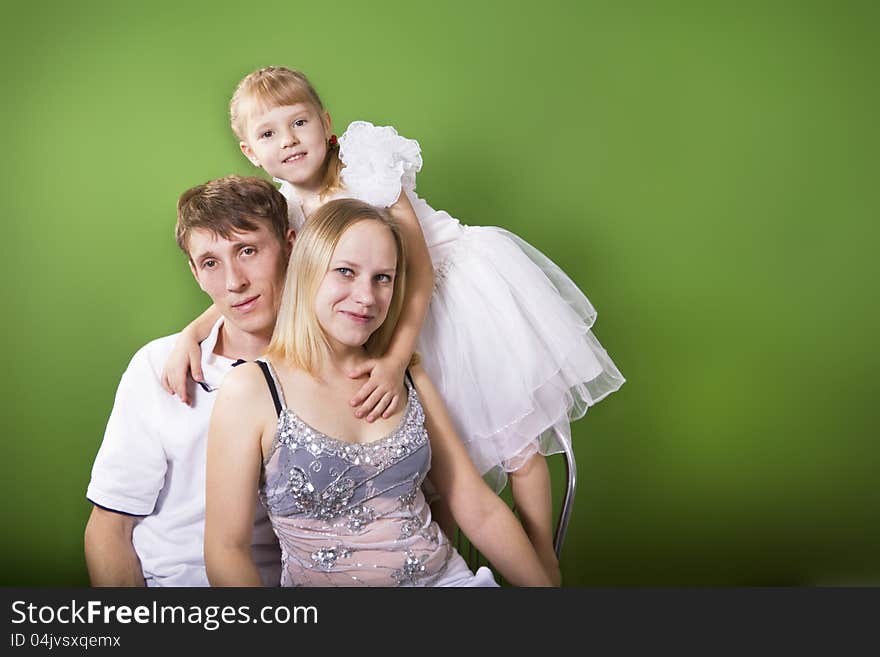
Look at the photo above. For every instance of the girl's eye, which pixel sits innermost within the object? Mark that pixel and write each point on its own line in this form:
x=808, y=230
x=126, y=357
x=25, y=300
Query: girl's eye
x=345, y=271
x=266, y=134
x=248, y=250
x=299, y=123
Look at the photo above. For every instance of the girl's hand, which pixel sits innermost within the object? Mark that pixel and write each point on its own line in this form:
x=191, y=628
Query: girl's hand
x=185, y=359
x=382, y=394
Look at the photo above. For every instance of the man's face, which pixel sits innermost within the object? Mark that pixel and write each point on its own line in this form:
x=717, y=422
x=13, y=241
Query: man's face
x=243, y=275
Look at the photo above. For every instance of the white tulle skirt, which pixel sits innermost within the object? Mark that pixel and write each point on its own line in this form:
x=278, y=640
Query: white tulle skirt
x=507, y=341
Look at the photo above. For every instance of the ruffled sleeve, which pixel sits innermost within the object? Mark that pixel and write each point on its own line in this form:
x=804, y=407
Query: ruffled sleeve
x=378, y=163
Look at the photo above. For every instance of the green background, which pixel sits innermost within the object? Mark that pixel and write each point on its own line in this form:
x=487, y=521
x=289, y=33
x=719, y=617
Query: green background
x=706, y=172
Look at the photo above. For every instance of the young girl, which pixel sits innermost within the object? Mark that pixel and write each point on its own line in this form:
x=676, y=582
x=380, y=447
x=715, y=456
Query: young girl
x=344, y=496
x=503, y=332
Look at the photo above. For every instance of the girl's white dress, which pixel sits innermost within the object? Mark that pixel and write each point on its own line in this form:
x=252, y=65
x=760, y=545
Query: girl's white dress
x=507, y=337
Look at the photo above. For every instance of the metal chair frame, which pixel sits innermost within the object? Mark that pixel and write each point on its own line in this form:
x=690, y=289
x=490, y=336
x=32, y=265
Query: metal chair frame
x=567, y=500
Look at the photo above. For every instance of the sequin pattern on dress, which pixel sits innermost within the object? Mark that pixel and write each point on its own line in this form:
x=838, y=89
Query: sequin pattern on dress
x=413, y=569
x=354, y=514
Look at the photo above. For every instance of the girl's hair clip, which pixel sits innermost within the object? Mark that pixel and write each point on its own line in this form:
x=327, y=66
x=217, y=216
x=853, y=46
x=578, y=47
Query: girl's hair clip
x=333, y=141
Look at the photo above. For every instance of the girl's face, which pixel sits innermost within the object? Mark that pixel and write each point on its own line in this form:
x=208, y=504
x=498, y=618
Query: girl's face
x=356, y=291
x=290, y=142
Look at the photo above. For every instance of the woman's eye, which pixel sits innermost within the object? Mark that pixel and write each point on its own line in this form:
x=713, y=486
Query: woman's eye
x=345, y=271
x=383, y=278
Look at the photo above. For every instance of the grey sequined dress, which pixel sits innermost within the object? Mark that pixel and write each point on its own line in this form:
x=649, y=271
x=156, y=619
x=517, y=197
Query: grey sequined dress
x=351, y=514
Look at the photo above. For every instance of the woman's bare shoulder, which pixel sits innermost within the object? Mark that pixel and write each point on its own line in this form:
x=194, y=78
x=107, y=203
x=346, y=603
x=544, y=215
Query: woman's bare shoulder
x=245, y=383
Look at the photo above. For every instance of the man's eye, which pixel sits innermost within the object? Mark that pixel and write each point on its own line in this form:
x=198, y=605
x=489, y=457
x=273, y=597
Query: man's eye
x=209, y=264
x=248, y=250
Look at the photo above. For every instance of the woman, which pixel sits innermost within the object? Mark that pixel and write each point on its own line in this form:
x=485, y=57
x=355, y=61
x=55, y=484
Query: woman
x=344, y=496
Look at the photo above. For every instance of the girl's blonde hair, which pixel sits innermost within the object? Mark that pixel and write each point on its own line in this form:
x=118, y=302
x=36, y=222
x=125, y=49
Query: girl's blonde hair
x=277, y=86
x=299, y=338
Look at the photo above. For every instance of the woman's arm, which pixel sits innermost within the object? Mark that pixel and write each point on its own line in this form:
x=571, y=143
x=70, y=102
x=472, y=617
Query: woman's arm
x=382, y=394
x=484, y=518
x=234, y=462
x=186, y=357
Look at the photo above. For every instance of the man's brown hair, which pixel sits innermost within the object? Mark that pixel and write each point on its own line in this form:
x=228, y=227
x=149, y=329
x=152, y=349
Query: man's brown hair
x=233, y=204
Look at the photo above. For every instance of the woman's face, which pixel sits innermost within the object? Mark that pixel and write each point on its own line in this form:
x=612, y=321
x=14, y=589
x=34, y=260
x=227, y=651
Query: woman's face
x=356, y=291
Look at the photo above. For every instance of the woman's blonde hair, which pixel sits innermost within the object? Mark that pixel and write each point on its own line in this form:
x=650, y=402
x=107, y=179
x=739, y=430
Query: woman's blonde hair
x=299, y=338
x=277, y=86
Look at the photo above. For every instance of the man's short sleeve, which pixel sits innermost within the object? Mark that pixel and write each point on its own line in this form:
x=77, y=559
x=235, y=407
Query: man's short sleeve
x=129, y=470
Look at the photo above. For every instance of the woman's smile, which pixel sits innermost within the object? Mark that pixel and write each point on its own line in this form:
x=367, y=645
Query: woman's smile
x=358, y=318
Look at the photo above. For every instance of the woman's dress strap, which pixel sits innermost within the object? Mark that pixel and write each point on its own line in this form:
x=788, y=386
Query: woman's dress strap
x=273, y=385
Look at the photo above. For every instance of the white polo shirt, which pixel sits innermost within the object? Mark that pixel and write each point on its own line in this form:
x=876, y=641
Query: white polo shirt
x=152, y=464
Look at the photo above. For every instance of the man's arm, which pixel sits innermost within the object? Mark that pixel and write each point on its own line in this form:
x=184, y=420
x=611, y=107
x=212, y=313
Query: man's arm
x=110, y=555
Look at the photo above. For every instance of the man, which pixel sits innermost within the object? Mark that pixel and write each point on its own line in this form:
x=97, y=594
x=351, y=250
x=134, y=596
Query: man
x=148, y=480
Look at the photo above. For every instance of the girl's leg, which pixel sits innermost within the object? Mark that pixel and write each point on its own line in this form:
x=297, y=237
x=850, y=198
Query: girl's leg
x=530, y=485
